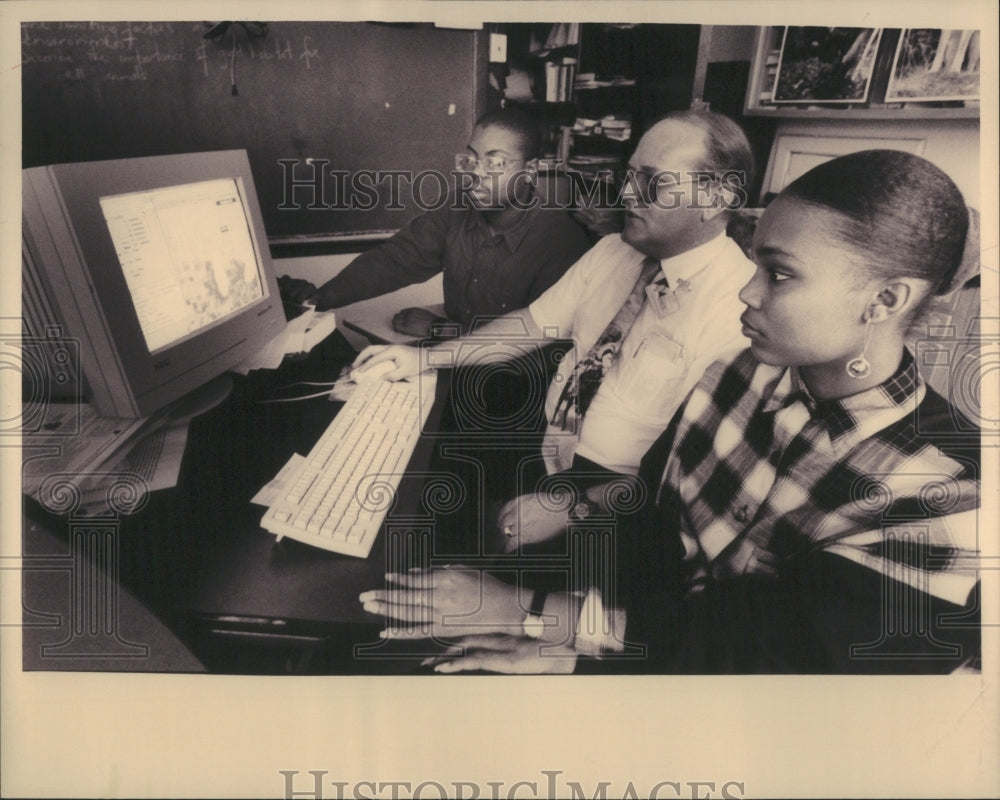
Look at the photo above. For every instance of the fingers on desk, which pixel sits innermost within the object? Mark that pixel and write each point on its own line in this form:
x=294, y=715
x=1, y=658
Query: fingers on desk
x=399, y=598
x=501, y=653
x=421, y=578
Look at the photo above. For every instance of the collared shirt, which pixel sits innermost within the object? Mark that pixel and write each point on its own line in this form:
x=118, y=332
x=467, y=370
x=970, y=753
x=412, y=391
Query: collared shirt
x=661, y=357
x=486, y=273
x=782, y=534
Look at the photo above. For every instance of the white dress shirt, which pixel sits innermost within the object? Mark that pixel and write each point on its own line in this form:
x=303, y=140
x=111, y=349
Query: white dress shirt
x=662, y=356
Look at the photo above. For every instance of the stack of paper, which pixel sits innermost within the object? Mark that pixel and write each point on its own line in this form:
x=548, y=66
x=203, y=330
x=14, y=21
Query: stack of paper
x=299, y=336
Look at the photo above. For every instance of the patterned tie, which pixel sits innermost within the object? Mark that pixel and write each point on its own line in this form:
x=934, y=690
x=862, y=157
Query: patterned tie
x=585, y=380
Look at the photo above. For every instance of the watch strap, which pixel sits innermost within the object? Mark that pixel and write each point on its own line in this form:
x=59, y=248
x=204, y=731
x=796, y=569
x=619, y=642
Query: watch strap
x=534, y=623
x=537, y=603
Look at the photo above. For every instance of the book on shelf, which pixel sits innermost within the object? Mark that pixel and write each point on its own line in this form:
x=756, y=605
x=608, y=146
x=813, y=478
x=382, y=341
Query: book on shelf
x=561, y=35
x=551, y=82
x=558, y=76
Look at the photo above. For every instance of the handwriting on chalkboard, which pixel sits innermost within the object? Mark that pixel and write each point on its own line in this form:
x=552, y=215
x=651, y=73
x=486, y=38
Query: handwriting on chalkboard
x=139, y=51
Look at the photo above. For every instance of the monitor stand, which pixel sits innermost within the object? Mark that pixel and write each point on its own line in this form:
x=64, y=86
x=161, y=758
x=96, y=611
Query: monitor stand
x=203, y=399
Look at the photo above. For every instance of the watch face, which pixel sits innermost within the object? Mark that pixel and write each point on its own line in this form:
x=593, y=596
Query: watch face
x=533, y=626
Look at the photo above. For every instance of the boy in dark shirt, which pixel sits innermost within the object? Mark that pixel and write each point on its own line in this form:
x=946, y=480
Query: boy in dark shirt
x=497, y=248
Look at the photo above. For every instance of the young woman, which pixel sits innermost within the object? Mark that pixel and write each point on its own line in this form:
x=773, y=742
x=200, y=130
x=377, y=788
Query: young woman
x=812, y=506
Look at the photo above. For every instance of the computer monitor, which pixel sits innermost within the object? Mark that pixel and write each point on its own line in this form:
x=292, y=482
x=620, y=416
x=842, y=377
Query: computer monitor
x=158, y=266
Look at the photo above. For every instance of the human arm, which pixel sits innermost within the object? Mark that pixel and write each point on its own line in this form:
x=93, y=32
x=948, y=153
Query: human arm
x=511, y=655
x=416, y=322
x=563, y=497
x=833, y=607
x=501, y=339
x=296, y=290
x=824, y=614
x=412, y=255
x=451, y=602
x=513, y=334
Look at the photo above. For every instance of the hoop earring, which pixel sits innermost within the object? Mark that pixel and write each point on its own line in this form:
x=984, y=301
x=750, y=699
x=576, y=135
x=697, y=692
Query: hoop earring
x=860, y=366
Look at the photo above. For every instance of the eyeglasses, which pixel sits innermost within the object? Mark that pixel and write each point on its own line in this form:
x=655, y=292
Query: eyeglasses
x=646, y=186
x=466, y=162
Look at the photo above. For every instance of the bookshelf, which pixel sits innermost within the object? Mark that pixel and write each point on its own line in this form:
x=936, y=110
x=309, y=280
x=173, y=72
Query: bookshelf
x=596, y=87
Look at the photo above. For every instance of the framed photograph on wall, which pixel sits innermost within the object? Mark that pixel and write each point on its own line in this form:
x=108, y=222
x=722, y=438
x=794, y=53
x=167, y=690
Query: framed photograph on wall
x=826, y=65
x=934, y=64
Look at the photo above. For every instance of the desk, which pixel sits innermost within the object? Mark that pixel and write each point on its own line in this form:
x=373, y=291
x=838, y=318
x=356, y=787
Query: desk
x=193, y=565
x=195, y=560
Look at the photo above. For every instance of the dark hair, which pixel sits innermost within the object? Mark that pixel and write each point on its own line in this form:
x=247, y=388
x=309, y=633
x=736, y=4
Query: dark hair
x=727, y=150
x=901, y=211
x=520, y=124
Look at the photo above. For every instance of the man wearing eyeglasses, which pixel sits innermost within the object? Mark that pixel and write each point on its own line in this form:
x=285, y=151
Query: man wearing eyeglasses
x=497, y=247
x=648, y=309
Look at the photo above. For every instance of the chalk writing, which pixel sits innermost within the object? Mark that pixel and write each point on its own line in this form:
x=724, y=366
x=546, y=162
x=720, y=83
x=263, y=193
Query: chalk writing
x=307, y=51
x=123, y=52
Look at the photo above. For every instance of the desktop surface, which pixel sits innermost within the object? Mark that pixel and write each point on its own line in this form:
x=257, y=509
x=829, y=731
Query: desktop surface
x=197, y=557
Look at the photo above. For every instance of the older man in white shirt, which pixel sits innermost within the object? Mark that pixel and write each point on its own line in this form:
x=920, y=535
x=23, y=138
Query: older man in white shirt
x=648, y=310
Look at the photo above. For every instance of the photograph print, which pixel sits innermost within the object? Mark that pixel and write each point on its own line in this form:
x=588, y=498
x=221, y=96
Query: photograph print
x=826, y=65
x=934, y=64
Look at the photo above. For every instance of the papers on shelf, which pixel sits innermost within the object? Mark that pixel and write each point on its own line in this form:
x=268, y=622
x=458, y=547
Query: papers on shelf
x=589, y=81
x=609, y=127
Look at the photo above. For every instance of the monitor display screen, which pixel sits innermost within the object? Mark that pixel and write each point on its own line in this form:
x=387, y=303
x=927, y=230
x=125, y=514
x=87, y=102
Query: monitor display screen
x=157, y=266
x=187, y=256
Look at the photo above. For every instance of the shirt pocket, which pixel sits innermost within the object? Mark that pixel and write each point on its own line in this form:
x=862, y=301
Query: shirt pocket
x=651, y=375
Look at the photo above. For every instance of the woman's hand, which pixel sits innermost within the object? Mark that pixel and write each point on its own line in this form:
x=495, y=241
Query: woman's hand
x=513, y=655
x=532, y=518
x=406, y=360
x=445, y=603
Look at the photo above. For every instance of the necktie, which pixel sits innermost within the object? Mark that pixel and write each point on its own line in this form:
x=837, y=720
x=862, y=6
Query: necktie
x=586, y=377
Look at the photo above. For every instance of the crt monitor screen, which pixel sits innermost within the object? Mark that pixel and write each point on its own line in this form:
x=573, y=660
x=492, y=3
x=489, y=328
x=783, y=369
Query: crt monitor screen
x=187, y=257
x=159, y=268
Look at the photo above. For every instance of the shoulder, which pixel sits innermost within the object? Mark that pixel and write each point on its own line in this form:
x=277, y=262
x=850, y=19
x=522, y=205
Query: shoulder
x=612, y=260
x=937, y=424
x=555, y=229
x=608, y=257
x=553, y=219
x=731, y=262
x=445, y=217
x=610, y=252
x=940, y=418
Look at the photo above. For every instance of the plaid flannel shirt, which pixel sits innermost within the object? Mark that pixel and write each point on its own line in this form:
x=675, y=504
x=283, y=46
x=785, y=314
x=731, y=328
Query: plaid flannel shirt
x=763, y=473
x=776, y=524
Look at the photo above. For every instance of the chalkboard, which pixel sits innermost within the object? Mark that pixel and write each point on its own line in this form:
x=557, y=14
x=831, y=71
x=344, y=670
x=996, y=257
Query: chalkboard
x=359, y=96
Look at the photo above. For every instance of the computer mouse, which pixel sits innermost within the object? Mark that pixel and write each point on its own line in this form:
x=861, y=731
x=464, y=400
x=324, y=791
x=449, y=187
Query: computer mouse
x=372, y=373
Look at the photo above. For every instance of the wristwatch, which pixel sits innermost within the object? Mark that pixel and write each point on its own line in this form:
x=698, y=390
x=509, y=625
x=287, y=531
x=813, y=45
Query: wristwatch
x=534, y=624
x=583, y=509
